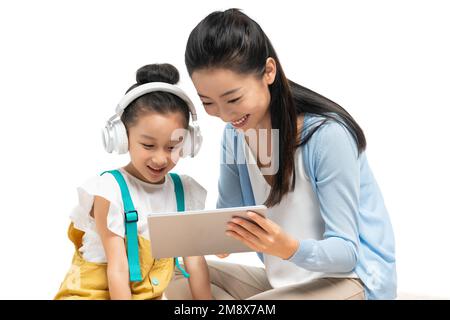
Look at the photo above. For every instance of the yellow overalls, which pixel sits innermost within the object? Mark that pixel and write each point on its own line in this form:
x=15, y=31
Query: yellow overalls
x=88, y=280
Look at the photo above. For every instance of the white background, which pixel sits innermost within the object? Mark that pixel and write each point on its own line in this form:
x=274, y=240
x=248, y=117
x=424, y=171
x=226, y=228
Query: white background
x=65, y=64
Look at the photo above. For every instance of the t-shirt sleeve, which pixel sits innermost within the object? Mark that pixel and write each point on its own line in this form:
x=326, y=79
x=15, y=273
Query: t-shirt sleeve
x=195, y=194
x=106, y=187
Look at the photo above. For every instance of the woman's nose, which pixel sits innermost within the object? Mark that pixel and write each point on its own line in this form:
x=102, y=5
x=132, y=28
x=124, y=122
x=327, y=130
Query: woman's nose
x=227, y=114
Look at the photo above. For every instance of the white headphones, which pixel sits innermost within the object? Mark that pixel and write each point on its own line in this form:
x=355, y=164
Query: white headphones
x=115, y=134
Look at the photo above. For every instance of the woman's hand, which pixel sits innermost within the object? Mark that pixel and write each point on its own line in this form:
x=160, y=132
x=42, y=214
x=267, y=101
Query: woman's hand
x=222, y=255
x=262, y=235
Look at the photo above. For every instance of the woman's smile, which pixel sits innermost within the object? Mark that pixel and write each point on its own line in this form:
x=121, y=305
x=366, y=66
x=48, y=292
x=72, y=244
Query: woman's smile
x=239, y=123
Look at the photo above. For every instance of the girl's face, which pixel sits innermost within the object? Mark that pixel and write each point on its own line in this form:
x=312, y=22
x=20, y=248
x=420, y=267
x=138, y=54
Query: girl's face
x=241, y=99
x=152, y=146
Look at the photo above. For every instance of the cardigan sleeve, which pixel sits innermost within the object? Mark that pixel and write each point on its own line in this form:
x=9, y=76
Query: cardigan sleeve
x=230, y=194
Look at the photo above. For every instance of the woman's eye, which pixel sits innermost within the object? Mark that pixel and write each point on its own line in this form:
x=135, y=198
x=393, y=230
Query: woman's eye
x=206, y=103
x=148, y=146
x=234, y=100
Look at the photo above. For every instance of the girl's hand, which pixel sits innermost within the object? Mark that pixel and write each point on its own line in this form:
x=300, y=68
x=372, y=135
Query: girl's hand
x=222, y=255
x=262, y=235
x=199, y=277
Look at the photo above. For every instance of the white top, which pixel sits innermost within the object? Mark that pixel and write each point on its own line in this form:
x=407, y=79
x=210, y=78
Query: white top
x=297, y=214
x=147, y=198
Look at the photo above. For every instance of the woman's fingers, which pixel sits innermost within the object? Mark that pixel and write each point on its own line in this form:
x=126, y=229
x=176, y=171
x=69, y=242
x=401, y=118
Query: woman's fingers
x=251, y=227
x=264, y=223
x=260, y=234
x=247, y=242
x=222, y=255
x=256, y=234
x=243, y=232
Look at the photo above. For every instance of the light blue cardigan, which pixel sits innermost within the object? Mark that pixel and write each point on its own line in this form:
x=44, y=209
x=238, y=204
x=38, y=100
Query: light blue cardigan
x=358, y=233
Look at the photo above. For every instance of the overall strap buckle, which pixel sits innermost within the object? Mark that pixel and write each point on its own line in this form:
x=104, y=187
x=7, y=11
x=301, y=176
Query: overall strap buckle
x=131, y=216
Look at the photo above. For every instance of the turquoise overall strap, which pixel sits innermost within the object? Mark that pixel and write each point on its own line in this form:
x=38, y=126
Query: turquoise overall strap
x=179, y=193
x=131, y=230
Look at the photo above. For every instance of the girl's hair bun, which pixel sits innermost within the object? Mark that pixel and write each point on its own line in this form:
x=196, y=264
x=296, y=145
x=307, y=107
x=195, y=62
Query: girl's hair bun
x=164, y=72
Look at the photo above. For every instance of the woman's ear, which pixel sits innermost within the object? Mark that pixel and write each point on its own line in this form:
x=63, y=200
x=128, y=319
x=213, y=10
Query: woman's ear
x=271, y=70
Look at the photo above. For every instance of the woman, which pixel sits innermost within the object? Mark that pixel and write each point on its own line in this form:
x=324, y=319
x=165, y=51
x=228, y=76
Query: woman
x=327, y=234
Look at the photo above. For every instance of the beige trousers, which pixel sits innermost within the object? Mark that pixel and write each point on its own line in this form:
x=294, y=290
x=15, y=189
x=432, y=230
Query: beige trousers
x=230, y=281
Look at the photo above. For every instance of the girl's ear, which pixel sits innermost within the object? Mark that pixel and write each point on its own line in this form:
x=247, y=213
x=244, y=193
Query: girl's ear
x=271, y=70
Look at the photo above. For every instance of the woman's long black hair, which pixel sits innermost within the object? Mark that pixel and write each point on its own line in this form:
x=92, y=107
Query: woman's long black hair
x=232, y=40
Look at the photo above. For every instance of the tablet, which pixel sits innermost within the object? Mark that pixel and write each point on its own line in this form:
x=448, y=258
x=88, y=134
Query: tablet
x=196, y=233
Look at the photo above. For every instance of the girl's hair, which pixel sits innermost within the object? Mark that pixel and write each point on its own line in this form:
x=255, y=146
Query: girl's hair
x=231, y=40
x=157, y=101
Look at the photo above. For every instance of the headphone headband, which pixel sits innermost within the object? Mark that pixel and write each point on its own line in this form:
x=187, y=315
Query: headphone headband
x=153, y=87
x=115, y=136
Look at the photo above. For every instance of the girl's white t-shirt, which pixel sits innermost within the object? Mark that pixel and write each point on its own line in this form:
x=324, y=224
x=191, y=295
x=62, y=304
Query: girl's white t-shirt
x=147, y=198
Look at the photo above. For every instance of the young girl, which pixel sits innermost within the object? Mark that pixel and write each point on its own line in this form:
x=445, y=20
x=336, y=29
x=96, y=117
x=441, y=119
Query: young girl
x=109, y=229
x=327, y=234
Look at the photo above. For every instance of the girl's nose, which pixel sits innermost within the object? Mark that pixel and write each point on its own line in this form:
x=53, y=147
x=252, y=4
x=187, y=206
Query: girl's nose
x=159, y=160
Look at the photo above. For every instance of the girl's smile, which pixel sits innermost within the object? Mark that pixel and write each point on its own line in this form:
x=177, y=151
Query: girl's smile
x=156, y=173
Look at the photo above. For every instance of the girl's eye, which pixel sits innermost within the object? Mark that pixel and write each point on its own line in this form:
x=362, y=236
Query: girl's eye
x=206, y=103
x=178, y=145
x=148, y=146
x=234, y=100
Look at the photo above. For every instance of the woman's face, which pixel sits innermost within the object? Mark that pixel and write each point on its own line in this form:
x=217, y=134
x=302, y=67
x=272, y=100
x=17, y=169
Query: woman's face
x=240, y=99
x=153, y=148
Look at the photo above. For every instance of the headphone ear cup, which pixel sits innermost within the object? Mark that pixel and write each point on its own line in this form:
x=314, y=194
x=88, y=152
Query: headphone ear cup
x=115, y=137
x=106, y=138
x=196, y=139
x=121, y=137
x=191, y=145
x=187, y=145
